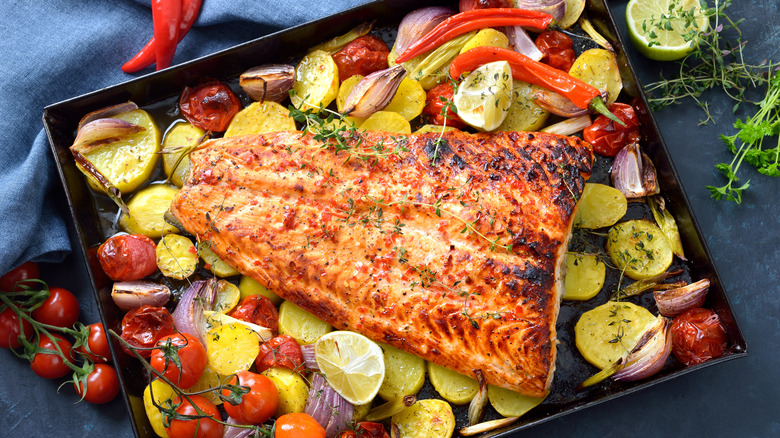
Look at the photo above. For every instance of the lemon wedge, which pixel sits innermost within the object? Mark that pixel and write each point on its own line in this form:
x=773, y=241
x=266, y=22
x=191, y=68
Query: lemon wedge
x=484, y=97
x=352, y=364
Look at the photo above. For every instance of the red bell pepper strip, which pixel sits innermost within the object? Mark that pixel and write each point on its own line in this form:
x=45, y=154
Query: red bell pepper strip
x=525, y=69
x=465, y=22
x=166, y=17
x=147, y=55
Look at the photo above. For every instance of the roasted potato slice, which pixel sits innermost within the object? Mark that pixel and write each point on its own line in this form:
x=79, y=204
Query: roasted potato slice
x=147, y=210
x=609, y=331
x=214, y=263
x=260, y=117
x=639, y=248
x=598, y=67
x=176, y=256
x=424, y=419
x=316, y=81
x=585, y=275
x=600, y=206
x=404, y=373
x=452, y=386
x=249, y=286
x=300, y=324
x=524, y=114
x=511, y=404
x=409, y=99
x=231, y=348
x=292, y=388
x=487, y=37
x=181, y=135
x=387, y=121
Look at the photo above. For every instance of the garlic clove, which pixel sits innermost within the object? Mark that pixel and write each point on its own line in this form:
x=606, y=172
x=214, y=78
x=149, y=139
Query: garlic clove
x=374, y=92
x=268, y=82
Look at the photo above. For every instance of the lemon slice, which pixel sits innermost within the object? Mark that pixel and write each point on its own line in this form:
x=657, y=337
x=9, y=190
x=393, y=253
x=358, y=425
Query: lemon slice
x=650, y=33
x=484, y=97
x=353, y=365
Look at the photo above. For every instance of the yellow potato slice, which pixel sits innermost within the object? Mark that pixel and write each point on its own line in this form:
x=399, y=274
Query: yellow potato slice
x=249, y=286
x=345, y=88
x=316, y=81
x=433, y=128
x=176, y=256
x=488, y=37
x=524, y=114
x=404, y=373
x=209, y=380
x=574, y=9
x=162, y=392
x=598, y=67
x=180, y=135
x=609, y=331
x=129, y=162
x=214, y=263
x=511, y=404
x=231, y=348
x=227, y=296
x=452, y=386
x=147, y=210
x=300, y=324
x=387, y=121
x=425, y=419
x=260, y=117
x=409, y=99
x=639, y=248
x=600, y=206
x=584, y=276
x=292, y=388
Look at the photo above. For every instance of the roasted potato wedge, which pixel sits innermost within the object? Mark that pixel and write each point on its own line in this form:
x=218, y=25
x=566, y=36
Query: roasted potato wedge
x=292, y=388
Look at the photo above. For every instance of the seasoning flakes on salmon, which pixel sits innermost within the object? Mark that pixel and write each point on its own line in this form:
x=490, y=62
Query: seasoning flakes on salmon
x=449, y=246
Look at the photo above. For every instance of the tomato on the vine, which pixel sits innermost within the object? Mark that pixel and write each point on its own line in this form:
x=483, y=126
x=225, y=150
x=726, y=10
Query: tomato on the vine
x=279, y=351
x=366, y=429
x=61, y=309
x=97, y=343
x=557, y=49
x=436, y=100
x=102, y=385
x=25, y=271
x=259, y=310
x=51, y=365
x=210, y=105
x=298, y=425
x=191, y=355
x=143, y=326
x=259, y=404
x=9, y=329
x=608, y=137
x=361, y=56
x=204, y=427
x=697, y=336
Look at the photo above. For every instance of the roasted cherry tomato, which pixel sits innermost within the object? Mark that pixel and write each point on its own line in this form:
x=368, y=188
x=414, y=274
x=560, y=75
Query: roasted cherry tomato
x=259, y=404
x=25, y=271
x=259, y=310
x=9, y=329
x=557, y=49
x=298, y=425
x=51, y=365
x=362, y=56
x=211, y=105
x=280, y=351
x=204, y=427
x=366, y=429
x=61, y=309
x=697, y=336
x=102, y=385
x=143, y=326
x=97, y=343
x=128, y=257
x=191, y=355
x=608, y=137
x=436, y=100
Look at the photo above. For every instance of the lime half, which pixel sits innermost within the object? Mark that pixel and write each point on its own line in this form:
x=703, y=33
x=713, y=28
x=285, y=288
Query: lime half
x=353, y=365
x=484, y=97
x=665, y=30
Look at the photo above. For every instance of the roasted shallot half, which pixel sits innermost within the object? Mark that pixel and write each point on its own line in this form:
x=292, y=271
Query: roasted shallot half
x=374, y=92
x=673, y=302
x=417, y=23
x=633, y=173
x=131, y=294
x=268, y=82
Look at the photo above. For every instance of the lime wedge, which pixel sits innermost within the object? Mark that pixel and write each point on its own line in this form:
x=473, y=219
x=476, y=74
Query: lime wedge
x=484, y=97
x=352, y=364
x=665, y=30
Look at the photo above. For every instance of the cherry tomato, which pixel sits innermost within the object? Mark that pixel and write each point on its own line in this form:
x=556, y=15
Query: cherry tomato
x=210, y=105
x=362, y=56
x=61, y=309
x=366, y=429
x=191, y=354
x=102, y=385
x=697, y=336
x=128, y=257
x=9, y=329
x=298, y=425
x=259, y=310
x=25, y=271
x=608, y=137
x=143, y=326
x=557, y=49
x=435, y=100
x=51, y=365
x=97, y=343
x=280, y=351
x=204, y=427
x=259, y=404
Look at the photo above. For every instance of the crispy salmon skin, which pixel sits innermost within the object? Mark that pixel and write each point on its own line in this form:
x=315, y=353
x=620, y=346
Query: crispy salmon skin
x=448, y=246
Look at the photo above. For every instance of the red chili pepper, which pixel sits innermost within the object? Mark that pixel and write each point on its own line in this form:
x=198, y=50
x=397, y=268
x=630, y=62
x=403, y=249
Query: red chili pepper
x=464, y=22
x=166, y=16
x=147, y=55
x=525, y=69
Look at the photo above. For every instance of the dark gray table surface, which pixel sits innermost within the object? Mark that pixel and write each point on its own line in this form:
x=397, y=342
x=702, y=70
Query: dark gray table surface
x=739, y=398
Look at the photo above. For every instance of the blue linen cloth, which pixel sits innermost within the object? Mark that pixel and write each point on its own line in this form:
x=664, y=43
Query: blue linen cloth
x=53, y=50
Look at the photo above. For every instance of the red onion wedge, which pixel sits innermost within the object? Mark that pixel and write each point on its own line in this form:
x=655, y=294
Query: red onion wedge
x=417, y=23
x=131, y=294
x=559, y=105
x=236, y=432
x=569, y=126
x=633, y=173
x=309, y=357
x=188, y=316
x=468, y=5
x=676, y=301
x=107, y=112
x=327, y=407
x=520, y=42
x=556, y=8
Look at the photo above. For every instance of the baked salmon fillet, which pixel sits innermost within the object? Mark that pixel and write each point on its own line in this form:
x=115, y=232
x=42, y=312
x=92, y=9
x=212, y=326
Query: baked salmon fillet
x=449, y=246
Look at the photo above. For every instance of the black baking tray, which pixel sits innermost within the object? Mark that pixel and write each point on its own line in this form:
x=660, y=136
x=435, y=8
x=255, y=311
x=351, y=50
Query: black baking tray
x=157, y=93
